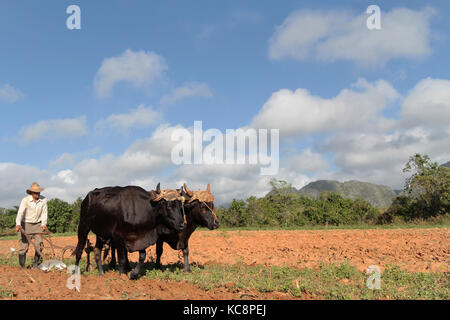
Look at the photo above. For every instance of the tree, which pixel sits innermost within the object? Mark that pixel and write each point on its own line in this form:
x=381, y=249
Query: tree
x=59, y=215
x=76, y=210
x=8, y=218
x=428, y=187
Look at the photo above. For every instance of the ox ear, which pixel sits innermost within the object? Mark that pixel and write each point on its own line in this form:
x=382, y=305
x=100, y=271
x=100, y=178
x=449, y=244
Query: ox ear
x=158, y=188
x=188, y=192
x=208, y=188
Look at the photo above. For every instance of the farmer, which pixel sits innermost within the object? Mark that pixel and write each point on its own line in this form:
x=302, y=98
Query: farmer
x=32, y=216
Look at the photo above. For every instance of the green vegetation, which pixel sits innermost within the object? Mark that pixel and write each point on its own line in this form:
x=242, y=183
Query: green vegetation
x=425, y=200
x=426, y=195
x=283, y=209
x=328, y=281
x=5, y=293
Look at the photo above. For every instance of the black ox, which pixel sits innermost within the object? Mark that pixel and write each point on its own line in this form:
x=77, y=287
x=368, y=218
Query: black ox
x=199, y=211
x=131, y=218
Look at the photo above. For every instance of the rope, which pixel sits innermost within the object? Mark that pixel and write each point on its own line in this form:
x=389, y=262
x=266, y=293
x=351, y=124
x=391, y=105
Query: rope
x=212, y=211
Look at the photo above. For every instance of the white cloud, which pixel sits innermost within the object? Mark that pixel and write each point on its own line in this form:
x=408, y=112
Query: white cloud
x=66, y=176
x=341, y=35
x=375, y=154
x=299, y=112
x=141, y=117
x=233, y=181
x=139, y=69
x=10, y=94
x=231, y=21
x=380, y=157
x=188, y=90
x=54, y=130
x=16, y=179
x=63, y=160
x=308, y=161
x=428, y=103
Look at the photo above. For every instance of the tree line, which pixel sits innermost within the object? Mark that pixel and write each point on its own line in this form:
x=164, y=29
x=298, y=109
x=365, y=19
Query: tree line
x=426, y=197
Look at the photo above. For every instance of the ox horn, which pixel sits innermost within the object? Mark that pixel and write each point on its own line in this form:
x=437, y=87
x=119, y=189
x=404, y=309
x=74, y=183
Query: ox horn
x=158, y=188
x=208, y=188
x=189, y=192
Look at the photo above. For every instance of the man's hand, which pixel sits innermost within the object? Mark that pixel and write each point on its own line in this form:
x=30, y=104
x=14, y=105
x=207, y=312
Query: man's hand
x=44, y=228
x=17, y=228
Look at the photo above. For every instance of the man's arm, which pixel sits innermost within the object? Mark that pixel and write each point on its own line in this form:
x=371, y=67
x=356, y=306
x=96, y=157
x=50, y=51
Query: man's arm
x=20, y=213
x=44, y=214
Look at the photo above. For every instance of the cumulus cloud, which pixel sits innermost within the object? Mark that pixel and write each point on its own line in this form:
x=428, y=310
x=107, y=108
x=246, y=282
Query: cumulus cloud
x=17, y=178
x=428, y=103
x=357, y=151
x=342, y=35
x=299, y=112
x=141, y=117
x=53, y=130
x=139, y=69
x=9, y=94
x=230, y=182
x=380, y=157
x=188, y=90
x=64, y=160
x=308, y=161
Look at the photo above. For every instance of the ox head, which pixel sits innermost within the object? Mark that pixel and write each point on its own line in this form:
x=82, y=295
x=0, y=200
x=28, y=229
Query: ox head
x=170, y=205
x=199, y=207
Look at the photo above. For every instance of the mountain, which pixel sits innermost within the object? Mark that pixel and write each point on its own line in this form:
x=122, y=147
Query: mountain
x=447, y=164
x=377, y=195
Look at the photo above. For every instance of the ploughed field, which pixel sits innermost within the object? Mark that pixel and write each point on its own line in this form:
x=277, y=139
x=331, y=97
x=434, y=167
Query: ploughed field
x=412, y=250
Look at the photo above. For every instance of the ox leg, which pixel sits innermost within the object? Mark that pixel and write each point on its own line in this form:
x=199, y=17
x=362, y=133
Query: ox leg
x=120, y=248
x=113, y=263
x=82, y=238
x=127, y=262
x=98, y=255
x=159, y=251
x=135, y=272
x=88, y=256
x=187, y=267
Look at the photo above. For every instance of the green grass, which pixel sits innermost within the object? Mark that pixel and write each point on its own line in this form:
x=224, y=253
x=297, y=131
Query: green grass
x=329, y=281
x=5, y=293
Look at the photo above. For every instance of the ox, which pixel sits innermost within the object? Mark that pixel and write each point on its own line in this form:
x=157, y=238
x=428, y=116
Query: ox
x=129, y=217
x=199, y=211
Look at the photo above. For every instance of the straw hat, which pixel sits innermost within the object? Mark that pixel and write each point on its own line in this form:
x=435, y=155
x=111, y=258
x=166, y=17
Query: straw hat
x=35, y=187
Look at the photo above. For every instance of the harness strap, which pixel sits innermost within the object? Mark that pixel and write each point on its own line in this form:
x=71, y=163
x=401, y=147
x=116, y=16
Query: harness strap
x=212, y=211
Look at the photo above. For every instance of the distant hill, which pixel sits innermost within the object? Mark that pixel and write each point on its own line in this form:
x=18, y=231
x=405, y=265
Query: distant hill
x=377, y=195
x=447, y=164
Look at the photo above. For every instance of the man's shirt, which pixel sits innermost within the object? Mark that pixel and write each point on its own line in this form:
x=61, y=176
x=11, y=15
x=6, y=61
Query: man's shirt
x=32, y=212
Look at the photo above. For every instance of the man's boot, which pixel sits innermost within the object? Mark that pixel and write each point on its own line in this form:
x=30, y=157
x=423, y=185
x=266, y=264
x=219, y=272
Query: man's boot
x=22, y=258
x=37, y=257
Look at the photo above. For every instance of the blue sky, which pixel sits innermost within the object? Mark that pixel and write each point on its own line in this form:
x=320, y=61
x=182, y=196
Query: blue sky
x=233, y=64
